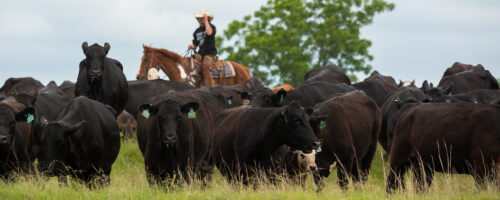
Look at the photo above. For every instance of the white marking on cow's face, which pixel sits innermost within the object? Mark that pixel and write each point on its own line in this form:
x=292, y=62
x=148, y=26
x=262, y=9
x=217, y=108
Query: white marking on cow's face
x=181, y=69
x=153, y=74
x=306, y=160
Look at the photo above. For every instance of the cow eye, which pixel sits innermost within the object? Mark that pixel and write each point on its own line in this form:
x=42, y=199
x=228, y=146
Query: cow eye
x=302, y=156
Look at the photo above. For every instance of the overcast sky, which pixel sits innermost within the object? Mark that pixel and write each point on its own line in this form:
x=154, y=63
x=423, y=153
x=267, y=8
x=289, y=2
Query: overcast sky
x=417, y=40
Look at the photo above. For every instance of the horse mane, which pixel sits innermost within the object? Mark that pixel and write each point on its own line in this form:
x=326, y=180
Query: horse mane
x=170, y=54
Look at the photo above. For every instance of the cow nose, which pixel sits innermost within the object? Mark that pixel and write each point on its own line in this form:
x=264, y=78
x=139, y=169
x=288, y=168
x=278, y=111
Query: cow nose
x=316, y=144
x=3, y=139
x=170, y=139
x=95, y=73
x=313, y=168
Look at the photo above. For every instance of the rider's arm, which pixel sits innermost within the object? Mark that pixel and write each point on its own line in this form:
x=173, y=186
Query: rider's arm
x=208, y=27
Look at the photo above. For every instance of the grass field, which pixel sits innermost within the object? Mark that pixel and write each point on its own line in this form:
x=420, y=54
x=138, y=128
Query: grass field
x=128, y=181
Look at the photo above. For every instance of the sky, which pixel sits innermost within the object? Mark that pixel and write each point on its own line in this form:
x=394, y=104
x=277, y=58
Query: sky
x=418, y=40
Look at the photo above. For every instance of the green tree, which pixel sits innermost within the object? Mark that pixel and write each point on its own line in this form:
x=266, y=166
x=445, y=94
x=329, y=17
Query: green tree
x=290, y=37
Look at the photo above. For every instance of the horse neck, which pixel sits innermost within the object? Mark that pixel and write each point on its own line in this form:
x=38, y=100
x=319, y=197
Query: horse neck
x=168, y=66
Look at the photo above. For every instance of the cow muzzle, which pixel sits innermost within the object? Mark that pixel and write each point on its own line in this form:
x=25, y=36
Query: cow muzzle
x=169, y=140
x=95, y=74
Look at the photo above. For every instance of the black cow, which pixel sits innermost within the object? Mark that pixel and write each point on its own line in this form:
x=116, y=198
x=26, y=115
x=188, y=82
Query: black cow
x=15, y=120
x=14, y=86
x=349, y=133
x=330, y=73
x=387, y=82
x=458, y=67
x=247, y=137
x=477, y=78
x=373, y=89
x=101, y=78
x=307, y=94
x=68, y=88
x=140, y=91
x=175, y=135
x=84, y=137
x=390, y=109
x=451, y=138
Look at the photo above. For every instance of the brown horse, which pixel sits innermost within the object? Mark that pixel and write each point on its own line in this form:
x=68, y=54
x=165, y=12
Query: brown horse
x=187, y=69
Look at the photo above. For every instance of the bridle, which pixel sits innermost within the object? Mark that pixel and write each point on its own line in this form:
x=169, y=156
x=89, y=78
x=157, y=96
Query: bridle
x=189, y=77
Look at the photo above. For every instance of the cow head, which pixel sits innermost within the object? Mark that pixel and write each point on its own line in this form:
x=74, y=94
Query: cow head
x=265, y=97
x=294, y=128
x=56, y=146
x=94, y=61
x=8, y=123
x=170, y=116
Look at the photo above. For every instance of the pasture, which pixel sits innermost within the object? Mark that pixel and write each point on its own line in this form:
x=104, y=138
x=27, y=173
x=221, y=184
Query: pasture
x=128, y=181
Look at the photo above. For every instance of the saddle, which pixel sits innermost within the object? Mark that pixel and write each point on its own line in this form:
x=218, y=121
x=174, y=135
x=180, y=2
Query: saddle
x=223, y=68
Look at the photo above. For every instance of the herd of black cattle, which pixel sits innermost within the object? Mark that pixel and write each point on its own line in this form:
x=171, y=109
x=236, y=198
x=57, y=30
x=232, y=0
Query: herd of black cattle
x=247, y=130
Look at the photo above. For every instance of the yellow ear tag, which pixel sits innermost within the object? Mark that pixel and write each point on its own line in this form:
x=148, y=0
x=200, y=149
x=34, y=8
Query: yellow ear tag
x=191, y=114
x=145, y=113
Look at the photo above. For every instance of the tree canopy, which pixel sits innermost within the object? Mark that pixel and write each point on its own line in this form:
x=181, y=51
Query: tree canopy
x=287, y=38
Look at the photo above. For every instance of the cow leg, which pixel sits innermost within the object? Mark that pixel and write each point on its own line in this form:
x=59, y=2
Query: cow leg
x=366, y=162
x=423, y=174
x=396, y=179
x=344, y=170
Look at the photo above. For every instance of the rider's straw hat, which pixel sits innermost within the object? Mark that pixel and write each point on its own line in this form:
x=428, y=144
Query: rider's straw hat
x=204, y=11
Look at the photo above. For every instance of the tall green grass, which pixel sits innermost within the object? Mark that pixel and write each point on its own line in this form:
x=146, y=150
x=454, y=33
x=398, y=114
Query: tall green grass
x=128, y=181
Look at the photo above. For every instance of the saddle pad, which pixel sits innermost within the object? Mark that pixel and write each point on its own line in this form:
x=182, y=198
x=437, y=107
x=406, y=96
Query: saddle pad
x=223, y=65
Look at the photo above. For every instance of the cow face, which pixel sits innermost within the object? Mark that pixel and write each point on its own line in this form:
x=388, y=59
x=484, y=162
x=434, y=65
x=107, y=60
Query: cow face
x=94, y=62
x=296, y=131
x=169, y=115
x=306, y=161
x=8, y=125
x=56, y=147
x=265, y=97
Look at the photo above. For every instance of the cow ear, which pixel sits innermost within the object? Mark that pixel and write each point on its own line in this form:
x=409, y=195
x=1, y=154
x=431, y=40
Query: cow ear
x=281, y=95
x=26, y=115
x=188, y=106
x=318, y=122
x=106, y=47
x=431, y=85
x=425, y=86
x=85, y=46
x=147, y=109
x=75, y=127
x=245, y=95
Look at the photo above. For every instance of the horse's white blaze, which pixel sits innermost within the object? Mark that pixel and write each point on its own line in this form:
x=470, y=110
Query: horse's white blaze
x=153, y=74
x=183, y=73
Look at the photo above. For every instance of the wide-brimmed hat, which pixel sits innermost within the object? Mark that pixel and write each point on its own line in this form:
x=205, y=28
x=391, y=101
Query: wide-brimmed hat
x=202, y=12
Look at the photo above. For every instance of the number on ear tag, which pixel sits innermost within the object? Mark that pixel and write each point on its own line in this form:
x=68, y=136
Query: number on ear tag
x=30, y=118
x=191, y=114
x=318, y=150
x=322, y=124
x=145, y=113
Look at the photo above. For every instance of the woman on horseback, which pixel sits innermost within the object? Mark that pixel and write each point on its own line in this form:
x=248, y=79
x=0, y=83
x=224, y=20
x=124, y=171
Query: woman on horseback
x=204, y=38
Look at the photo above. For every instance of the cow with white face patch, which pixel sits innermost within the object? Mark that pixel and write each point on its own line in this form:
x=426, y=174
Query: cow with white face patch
x=294, y=165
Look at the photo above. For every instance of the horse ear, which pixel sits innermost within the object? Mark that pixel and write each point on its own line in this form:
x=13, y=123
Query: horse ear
x=85, y=46
x=106, y=47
